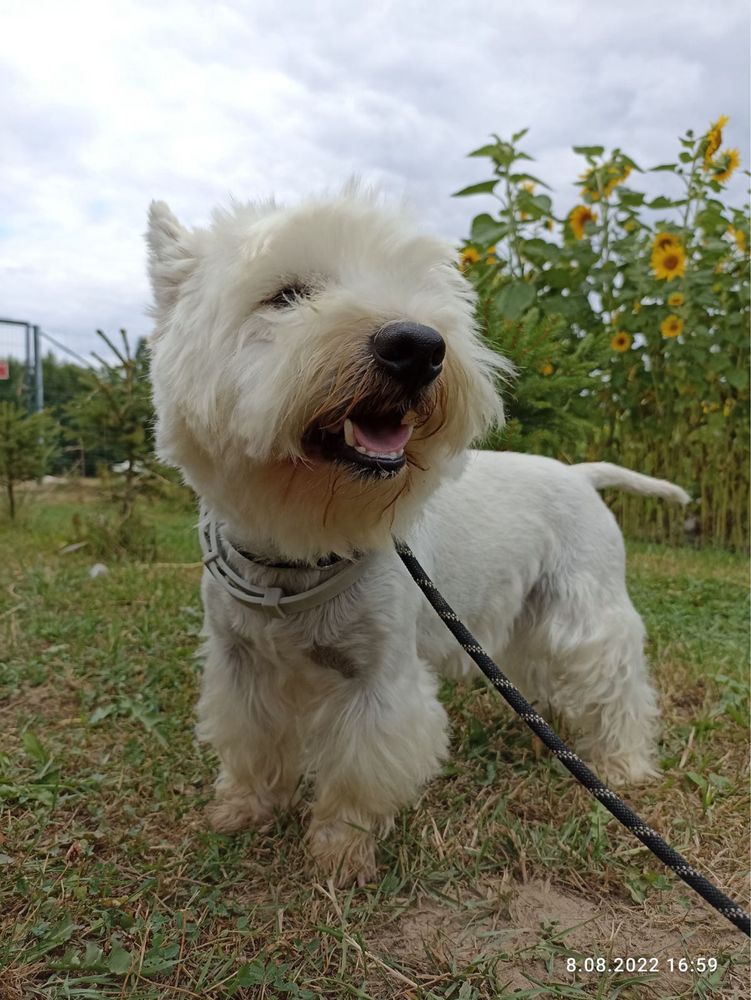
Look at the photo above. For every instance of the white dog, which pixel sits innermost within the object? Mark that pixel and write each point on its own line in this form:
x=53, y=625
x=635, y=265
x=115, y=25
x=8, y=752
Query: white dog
x=318, y=379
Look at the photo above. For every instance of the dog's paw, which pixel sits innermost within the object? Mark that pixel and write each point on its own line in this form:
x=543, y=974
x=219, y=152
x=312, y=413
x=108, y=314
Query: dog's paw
x=629, y=770
x=231, y=812
x=343, y=852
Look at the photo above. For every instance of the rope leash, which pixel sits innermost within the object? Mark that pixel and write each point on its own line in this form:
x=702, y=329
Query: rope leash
x=615, y=805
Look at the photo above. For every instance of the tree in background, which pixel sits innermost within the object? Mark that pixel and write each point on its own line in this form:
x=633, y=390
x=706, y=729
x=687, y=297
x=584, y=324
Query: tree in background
x=63, y=381
x=27, y=443
x=628, y=319
x=115, y=413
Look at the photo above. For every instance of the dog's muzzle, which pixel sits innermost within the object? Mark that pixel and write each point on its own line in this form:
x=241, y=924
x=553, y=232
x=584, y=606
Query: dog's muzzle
x=395, y=390
x=409, y=353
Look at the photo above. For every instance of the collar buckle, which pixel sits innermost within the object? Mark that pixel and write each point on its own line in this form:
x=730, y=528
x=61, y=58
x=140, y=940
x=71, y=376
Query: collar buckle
x=270, y=600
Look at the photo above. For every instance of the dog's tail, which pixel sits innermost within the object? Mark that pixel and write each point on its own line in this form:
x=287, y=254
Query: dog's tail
x=603, y=475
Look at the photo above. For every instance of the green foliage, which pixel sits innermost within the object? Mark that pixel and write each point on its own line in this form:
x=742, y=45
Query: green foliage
x=111, y=535
x=116, y=412
x=548, y=404
x=27, y=443
x=63, y=381
x=637, y=312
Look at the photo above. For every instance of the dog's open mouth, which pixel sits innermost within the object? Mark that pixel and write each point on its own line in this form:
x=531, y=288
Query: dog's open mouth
x=369, y=443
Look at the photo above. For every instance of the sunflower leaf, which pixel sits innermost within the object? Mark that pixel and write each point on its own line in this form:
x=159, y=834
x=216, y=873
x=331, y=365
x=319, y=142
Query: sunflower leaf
x=514, y=299
x=589, y=150
x=485, y=187
x=487, y=230
x=483, y=150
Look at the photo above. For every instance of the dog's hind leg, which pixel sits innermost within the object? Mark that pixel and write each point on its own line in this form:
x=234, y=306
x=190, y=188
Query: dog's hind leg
x=244, y=714
x=599, y=682
x=379, y=739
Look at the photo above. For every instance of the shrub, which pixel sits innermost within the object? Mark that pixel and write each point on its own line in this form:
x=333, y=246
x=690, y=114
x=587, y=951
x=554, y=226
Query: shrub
x=27, y=444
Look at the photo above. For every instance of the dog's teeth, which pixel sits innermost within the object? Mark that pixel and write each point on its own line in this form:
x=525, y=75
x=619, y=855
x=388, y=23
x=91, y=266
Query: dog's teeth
x=378, y=454
x=349, y=433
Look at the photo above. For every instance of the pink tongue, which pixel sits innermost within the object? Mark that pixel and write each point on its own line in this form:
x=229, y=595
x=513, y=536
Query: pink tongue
x=382, y=439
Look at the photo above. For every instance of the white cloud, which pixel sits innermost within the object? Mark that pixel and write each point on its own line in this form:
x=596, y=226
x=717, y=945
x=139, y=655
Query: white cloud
x=109, y=105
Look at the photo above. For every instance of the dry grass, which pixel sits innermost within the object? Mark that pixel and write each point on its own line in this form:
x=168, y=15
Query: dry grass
x=111, y=885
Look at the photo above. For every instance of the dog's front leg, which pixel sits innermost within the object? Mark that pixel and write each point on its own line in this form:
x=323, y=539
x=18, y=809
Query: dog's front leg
x=246, y=716
x=379, y=738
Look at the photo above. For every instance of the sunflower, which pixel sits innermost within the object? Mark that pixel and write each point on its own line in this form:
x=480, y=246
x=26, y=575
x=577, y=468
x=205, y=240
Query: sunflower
x=714, y=138
x=616, y=177
x=671, y=326
x=468, y=257
x=664, y=240
x=546, y=369
x=611, y=175
x=725, y=165
x=740, y=238
x=528, y=186
x=621, y=342
x=675, y=299
x=669, y=262
x=579, y=217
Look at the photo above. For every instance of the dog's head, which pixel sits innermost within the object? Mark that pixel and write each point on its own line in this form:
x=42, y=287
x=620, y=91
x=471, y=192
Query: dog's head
x=316, y=370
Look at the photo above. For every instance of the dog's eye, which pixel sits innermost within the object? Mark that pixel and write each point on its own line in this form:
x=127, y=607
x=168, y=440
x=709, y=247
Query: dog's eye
x=289, y=295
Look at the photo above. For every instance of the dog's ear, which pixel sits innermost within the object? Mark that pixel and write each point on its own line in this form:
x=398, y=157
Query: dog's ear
x=171, y=254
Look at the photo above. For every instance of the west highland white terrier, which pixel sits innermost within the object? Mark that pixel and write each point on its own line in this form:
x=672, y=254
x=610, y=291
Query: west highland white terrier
x=318, y=378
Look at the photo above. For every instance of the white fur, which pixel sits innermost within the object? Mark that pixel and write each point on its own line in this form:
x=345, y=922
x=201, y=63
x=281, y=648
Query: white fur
x=522, y=547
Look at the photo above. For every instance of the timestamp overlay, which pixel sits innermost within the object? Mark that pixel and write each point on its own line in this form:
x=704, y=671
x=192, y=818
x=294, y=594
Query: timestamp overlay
x=640, y=964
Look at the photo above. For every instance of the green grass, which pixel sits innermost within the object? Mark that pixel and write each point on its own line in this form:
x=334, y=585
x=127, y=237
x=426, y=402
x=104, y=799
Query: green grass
x=111, y=884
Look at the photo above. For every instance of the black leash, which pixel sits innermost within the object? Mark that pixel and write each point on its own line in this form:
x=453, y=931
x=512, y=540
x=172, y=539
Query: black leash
x=623, y=813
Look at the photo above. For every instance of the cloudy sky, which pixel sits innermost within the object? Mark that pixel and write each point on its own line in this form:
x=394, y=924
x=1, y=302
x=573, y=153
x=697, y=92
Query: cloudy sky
x=107, y=105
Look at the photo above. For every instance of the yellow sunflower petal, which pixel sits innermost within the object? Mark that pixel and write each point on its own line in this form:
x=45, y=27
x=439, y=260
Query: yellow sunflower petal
x=714, y=139
x=579, y=217
x=468, y=256
x=728, y=162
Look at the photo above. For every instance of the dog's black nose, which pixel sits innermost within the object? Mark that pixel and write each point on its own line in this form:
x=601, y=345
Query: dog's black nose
x=411, y=353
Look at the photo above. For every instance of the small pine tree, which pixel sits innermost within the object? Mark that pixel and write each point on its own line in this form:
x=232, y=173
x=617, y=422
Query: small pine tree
x=28, y=442
x=115, y=413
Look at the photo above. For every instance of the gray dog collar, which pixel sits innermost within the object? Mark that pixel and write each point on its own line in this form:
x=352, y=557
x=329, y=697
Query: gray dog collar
x=273, y=600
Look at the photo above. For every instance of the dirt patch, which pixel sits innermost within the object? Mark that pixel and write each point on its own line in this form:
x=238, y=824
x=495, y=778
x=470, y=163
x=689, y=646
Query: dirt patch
x=523, y=934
